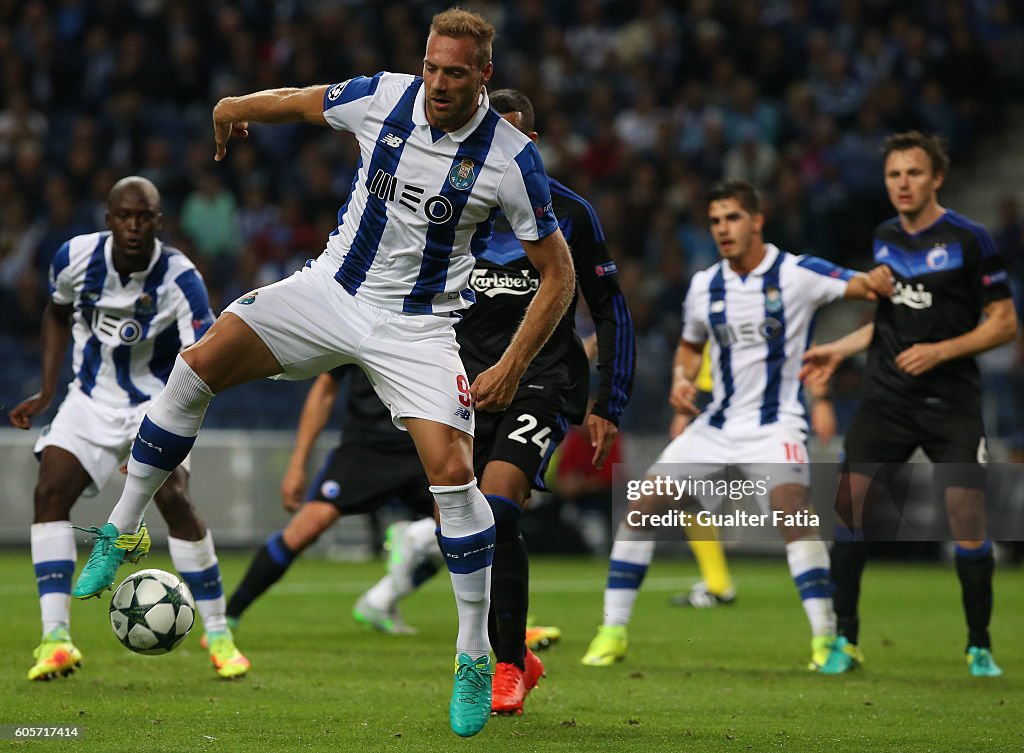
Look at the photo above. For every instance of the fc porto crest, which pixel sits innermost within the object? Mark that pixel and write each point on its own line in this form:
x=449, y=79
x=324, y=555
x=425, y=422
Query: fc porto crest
x=463, y=175
x=145, y=305
x=772, y=300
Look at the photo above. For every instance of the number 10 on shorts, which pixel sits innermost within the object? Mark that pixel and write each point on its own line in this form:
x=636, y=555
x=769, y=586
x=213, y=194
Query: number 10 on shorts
x=794, y=452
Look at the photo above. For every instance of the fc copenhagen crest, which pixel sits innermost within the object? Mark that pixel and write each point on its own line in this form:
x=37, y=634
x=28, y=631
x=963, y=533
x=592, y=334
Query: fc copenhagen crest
x=463, y=175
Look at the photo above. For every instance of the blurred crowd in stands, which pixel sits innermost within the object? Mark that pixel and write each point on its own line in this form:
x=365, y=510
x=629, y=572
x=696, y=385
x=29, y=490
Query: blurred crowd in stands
x=641, y=105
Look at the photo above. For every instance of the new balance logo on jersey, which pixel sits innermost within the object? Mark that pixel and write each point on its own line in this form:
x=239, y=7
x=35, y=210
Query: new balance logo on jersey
x=491, y=282
x=915, y=297
x=463, y=413
x=392, y=140
x=747, y=332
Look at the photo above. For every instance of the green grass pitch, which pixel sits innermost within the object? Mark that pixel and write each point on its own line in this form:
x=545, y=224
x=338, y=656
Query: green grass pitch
x=729, y=679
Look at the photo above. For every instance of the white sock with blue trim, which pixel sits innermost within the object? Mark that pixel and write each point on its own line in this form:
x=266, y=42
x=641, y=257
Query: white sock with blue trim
x=164, y=440
x=196, y=562
x=632, y=553
x=467, y=541
x=53, y=556
x=809, y=566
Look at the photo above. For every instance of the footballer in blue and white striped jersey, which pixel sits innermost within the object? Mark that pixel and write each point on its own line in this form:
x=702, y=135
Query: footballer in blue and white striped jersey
x=759, y=325
x=756, y=307
x=127, y=328
x=423, y=201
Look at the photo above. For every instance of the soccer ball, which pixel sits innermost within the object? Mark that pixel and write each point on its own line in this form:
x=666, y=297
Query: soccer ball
x=152, y=612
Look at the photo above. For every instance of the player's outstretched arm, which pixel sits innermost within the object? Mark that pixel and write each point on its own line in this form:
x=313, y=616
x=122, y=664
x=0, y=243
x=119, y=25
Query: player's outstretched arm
x=999, y=326
x=821, y=361
x=232, y=115
x=315, y=412
x=494, y=389
x=872, y=285
x=56, y=334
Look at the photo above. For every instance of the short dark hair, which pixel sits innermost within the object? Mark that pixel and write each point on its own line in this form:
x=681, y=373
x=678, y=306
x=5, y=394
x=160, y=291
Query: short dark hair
x=930, y=143
x=513, y=100
x=744, y=192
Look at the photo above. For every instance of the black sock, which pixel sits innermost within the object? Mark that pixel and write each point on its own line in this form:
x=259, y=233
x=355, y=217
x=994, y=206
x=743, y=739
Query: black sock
x=510, y=600
x=269, y=563
x=510, y=585
x=848, y=558
x=975, y=568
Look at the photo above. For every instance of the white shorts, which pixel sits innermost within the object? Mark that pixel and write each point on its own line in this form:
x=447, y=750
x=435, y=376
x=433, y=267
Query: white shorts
x=99, y=436
x=776, y=455
x=312, y=325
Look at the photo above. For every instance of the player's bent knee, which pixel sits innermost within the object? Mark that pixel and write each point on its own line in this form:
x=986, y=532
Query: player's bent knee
x=453, y=472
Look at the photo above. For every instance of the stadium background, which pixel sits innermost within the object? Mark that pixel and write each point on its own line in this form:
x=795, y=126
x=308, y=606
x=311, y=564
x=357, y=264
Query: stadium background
x=641, y=105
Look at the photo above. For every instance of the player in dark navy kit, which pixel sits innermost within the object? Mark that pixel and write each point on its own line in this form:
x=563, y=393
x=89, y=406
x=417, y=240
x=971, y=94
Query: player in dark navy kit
x=951, y=301
x=374, y=463
x=512, y=448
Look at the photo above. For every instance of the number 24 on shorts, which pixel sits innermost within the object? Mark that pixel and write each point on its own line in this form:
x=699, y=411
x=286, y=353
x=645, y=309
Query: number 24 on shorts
x=529, y=423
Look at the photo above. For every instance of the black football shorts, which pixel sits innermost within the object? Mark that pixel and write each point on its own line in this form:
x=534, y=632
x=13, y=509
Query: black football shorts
x=890, y=432
x=359, y=479
x=525, y=435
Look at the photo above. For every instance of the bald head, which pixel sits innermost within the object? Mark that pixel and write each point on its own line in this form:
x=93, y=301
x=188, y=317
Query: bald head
x=133, y=218
x=138, y=185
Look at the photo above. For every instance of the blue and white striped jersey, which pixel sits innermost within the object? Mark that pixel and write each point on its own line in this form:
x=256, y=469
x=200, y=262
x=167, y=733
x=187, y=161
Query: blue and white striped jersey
x=127, y=329
x=759, y=326
x=423, y=202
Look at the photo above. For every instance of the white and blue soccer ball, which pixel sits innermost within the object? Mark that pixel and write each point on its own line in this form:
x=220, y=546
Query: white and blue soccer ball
x=152, y=612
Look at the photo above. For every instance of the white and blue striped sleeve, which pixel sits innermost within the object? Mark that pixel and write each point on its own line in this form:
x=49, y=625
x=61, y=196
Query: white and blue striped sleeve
x=821, y=281
x=524, y=195
x=192, y=307
x=61, y=276
x=346, y=103
x=695, y=328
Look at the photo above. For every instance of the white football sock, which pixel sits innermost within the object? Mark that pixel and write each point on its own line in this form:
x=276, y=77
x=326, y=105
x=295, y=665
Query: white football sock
x=467, y=540
x=53, y=555
x=627, y=566
x=196, y=562
x=165, y=438
x=809, y=566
